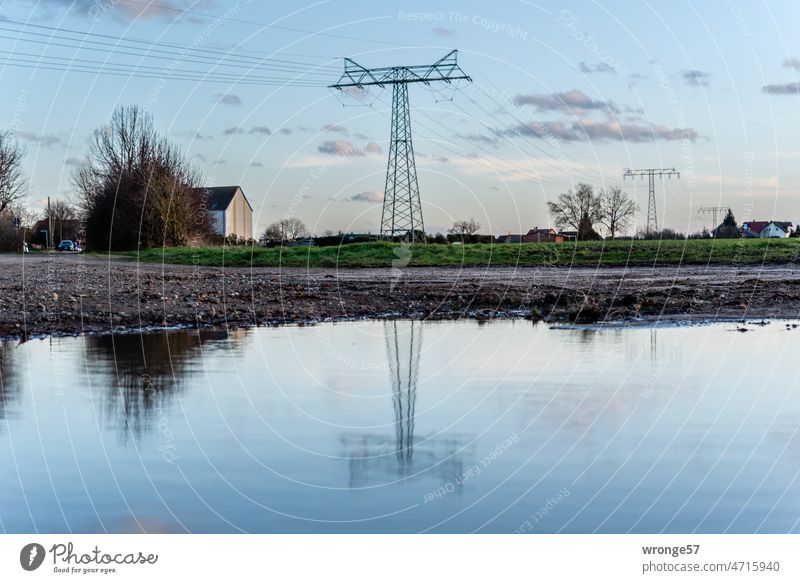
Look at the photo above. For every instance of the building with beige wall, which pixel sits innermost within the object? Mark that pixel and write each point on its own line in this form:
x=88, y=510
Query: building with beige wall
x=229, y=209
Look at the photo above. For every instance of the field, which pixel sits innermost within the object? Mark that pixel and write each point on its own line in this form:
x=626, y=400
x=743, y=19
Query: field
x=587, y=254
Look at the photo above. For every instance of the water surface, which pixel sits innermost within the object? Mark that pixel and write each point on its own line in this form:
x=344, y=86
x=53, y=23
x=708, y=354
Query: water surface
x=404, y=427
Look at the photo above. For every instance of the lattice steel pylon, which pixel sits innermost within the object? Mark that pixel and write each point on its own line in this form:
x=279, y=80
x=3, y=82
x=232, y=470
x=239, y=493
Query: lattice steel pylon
x=402, y=207
x=403, y=344
x=651, y=173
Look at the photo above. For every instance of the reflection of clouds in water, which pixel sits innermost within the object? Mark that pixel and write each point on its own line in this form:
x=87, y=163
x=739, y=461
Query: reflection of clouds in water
x=145, y=371
x=376, y=458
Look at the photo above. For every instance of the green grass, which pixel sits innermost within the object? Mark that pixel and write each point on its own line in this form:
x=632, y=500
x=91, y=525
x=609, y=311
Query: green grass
x=590, y=253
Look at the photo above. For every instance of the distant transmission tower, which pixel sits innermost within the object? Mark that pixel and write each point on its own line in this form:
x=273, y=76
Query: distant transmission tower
x=402, y=210
x=714, y=211
x=651, y=173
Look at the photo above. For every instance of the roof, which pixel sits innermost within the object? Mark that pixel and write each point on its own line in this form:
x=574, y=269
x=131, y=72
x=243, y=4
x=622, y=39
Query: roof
x=543, y=231
x=783, y=225
x=510, y=238
x=758, y=226
x=755, y=226
x=220, y=197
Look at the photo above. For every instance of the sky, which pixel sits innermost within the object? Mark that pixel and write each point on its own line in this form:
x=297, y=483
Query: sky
x=561, y=93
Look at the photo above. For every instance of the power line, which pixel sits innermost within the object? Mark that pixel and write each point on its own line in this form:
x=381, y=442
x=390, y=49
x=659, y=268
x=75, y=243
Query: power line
x=263, y=24
x=119, y=39
x=102, y=66
x=170, y=55
x=175, y=77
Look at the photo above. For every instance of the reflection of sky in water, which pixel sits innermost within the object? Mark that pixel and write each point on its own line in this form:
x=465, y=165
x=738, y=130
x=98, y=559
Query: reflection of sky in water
x=402, y=426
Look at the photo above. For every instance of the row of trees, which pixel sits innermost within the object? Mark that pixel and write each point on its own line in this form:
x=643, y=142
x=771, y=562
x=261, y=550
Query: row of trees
x=582, y=209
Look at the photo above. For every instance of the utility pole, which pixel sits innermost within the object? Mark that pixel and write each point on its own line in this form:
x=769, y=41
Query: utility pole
x=651, y=173
x=49, y=242
x=713, y=211
x=402, y=209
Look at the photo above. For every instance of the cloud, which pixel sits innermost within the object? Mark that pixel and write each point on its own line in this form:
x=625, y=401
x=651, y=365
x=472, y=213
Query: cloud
x=601, y=67
x=792, y=63
x=373, y=148
x=232, y=131
x=195, y=135
x=72, y=162
x=228, y=99
x=368, y=196
x=199, y=157
x=442, y=32
x=220, y=162
x=695, y=78
x=256, y=165
x=493, y=141
x=44, y=140
x=335, y=129
x=441, y=160
x=782, y=89
x=548, y=129
x=587, y=129
x=286, y=131
x=568, y=101
x=632, y=132
x=263, y=130
x=339, y=148
x=128, y=11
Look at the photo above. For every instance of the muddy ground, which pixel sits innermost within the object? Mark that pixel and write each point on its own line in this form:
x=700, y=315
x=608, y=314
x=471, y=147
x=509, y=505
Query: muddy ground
x=76, y=294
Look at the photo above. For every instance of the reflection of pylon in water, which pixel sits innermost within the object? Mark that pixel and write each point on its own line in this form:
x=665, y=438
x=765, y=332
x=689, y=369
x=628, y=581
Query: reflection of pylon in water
x=403, y=342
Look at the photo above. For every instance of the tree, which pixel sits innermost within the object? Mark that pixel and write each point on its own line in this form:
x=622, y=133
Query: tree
x=12, y=178
x=62, y=211
x=13, y=223
x=135, y=190
x=617, y=210
x=728, y=229
x=466, y=227
x=578, y=210
x=286, y=229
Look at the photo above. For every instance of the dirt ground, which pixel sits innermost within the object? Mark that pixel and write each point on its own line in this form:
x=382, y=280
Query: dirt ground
x=74, y=294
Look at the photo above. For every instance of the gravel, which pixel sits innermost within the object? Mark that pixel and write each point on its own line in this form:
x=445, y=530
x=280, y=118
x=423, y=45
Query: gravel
x=71, y=294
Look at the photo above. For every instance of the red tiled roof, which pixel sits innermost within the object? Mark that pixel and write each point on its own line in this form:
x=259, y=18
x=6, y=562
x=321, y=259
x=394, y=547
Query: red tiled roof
x=757, y=226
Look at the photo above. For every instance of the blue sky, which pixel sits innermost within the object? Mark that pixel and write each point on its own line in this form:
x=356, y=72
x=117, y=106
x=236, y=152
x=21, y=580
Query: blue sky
x=562, y=93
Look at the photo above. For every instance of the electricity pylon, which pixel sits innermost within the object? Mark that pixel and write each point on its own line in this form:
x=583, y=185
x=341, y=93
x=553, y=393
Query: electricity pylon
x=714, y=211
x=403, y=356
x=651, y=173
x=402, y=209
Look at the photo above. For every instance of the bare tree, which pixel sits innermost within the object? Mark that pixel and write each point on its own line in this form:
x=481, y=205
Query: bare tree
x=286, y=229
x=61, y=211
x=465, y=227
x=578, y=210
x=136, y=188
x=618, y=210
x=12, y=178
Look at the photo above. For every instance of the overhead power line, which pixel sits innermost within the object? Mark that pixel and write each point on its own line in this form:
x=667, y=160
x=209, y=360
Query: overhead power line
x=264, y=24
x=160, y=54
x=150, y=43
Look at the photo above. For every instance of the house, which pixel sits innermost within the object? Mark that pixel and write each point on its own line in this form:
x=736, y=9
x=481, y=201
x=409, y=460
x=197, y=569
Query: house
x=569, y=235
x=510, y=238
x=229, y=209
x=537, y=235
x=766, y=229
x=65, y=229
